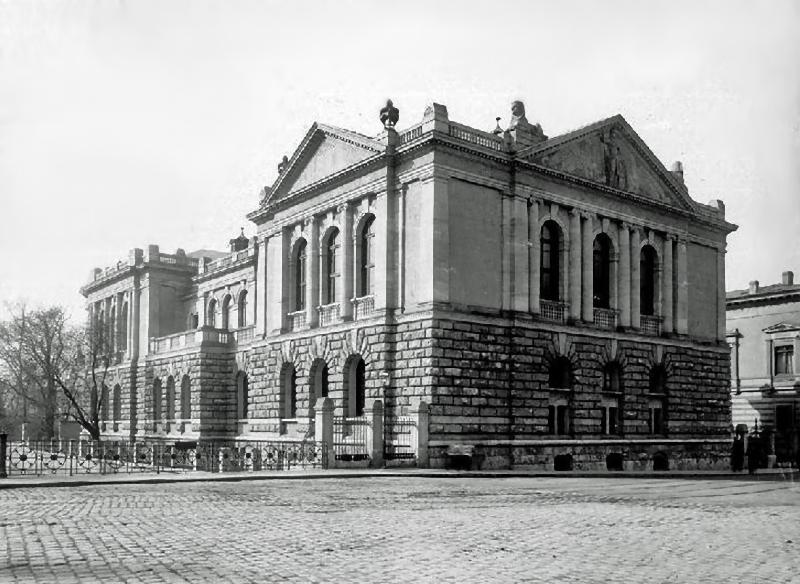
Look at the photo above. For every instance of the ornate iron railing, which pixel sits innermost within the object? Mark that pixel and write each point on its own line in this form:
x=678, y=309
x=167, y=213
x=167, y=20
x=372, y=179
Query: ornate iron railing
x=605, y=318
x=350, y=437
x=553, y=311
x=363, y=307
x=650, y=325
x=76, y=457
x=329, y=314
x=400, y=438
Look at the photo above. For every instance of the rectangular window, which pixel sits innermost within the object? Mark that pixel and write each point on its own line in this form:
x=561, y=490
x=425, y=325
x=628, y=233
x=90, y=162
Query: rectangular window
x=558, y=420
x=656, y=420
x=784, y=356
x=609, y=419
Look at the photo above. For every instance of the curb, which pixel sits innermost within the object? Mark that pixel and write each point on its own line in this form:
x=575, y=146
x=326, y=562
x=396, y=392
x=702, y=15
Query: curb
x=790, y=475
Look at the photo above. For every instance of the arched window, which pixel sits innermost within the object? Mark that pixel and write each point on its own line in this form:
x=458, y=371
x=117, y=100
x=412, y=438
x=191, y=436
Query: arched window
x=211, y=313
x=242, y=395
x=186, y=398
x=319, y=387
x=289, y=392
x=104, y=399
x=242, y=308
x=156, y=401
x=117, y=408
x=111, y=322
x=329, y=267
x=611, y=404
x=657, y=400
x=602, y=271
x=647, y=276
x=366, y=259
x=226, y=311
x=549, y=261
x=299, y=276
x=356, y=396
x=170, y=398
x=100, y=332
x=123, y=329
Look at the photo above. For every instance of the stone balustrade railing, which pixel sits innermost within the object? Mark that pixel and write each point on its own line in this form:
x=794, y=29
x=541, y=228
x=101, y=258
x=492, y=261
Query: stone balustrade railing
x=329, y=314
x=363, y=307
x=553, y=311
x=474, y=136
x=296, y=320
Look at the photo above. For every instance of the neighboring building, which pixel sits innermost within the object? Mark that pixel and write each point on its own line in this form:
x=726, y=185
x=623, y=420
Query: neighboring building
x=550, y=300
x=764, y=336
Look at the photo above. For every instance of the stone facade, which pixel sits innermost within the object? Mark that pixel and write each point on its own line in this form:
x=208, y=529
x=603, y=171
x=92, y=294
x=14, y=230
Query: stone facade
x=764, y=338
x=537, y=301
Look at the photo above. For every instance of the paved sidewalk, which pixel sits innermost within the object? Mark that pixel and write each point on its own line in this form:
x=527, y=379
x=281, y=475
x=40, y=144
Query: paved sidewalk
x=16, y=482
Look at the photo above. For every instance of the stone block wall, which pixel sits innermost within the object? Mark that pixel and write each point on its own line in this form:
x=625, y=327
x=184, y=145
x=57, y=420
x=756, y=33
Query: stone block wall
x=491, y=386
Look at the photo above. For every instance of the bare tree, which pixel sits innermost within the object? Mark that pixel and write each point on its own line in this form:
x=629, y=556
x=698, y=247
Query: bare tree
x=42, y=356
x=82, y=378
x=22, y=378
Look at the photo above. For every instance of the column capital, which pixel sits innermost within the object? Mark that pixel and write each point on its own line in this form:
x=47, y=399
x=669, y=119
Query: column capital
x=575, y=212
x=636, y=228
x=588, y=215
x=670, y=236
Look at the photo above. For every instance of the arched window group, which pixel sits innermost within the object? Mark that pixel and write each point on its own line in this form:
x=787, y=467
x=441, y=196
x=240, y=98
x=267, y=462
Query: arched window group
x=241, y=309
x=170, y=398
x=156, y=408
x=225, y=313
x=117, y=403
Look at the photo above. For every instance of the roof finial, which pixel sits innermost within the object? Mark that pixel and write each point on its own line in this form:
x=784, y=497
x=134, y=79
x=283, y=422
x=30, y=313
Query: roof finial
x=498, y=129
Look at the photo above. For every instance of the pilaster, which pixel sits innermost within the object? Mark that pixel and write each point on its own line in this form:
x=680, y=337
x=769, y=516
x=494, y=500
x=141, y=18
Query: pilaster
x=587, y=274
x=519, y=236
x=636, y=252
x=312, y=272
x=624, y=276
x=345, y=290
x=667, y=293
x=682, y=325
x=534, y=256
x=575, y=264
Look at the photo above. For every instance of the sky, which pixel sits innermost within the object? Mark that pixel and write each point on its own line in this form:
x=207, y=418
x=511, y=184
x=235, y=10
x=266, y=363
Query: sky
x=126, y=123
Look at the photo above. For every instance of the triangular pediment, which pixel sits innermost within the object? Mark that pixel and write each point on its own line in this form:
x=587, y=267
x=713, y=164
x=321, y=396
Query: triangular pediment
x=610, y=153
x=324, y=151
x=781, y=327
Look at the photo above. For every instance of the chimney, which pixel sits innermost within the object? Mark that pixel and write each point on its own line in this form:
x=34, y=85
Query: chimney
x=754, y=287
x=677, y=170
x=787, y=278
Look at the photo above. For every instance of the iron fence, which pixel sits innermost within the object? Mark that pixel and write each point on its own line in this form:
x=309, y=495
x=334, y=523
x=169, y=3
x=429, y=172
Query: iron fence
x=400, y=438
x=350, y=437
x=77, y=457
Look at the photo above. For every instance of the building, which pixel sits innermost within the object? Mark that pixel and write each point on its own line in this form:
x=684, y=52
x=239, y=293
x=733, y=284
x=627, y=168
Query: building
x=531, y=301
x=764, y=336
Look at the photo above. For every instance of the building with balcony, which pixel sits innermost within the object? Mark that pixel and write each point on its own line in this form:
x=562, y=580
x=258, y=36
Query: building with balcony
x=549, y=301
x=764, y=337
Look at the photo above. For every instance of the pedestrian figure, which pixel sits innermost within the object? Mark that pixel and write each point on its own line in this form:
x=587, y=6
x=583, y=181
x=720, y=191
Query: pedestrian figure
x=753, y=453
x=737, y=450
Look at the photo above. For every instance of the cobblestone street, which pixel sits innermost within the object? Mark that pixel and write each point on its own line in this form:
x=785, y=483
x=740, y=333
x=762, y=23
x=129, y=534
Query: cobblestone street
x=405, y=530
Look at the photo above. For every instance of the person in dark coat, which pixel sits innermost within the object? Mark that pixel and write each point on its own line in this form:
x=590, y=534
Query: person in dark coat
x=737, y=450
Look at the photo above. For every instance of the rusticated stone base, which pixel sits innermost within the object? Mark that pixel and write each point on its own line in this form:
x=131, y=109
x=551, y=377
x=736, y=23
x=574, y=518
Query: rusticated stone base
x=593, y=455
